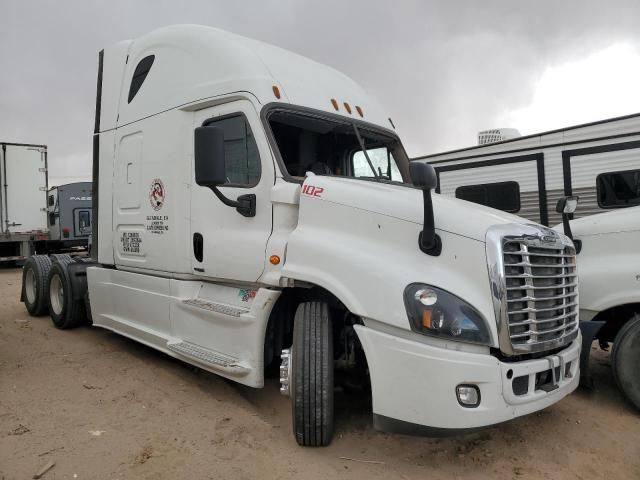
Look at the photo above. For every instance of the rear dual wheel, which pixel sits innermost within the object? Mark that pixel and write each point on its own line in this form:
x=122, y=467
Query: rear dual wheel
x=65, y=311
x=35, y=284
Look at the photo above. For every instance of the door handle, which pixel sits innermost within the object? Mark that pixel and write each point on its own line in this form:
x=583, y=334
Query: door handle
x=198, y=246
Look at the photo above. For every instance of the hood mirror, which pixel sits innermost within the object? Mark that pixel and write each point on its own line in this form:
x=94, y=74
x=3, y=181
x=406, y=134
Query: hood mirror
x=566, y=206
x=424, y=177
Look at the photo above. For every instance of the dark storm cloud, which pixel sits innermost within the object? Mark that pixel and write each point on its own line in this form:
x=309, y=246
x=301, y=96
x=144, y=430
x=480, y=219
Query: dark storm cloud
x=443, y=69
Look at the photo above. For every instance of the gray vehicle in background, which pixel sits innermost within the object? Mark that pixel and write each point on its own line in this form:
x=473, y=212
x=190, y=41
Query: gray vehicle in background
x=69, y=215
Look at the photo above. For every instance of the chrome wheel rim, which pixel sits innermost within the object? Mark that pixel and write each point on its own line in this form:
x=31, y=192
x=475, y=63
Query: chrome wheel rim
x=56, y=294
x=30, y=286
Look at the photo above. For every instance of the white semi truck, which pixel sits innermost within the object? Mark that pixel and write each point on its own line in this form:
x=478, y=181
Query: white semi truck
x=609, y=261
x=256, y=209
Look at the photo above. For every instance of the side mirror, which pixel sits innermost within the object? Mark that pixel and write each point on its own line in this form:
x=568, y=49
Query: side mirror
x=209, y=156
x=567, y=204
x=424, y=177
x=210, y=168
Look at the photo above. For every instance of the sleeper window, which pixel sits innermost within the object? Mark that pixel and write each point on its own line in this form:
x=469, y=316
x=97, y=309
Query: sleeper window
x=139, y=76
x=618, y=189
x=504, y=196
x=242, y=162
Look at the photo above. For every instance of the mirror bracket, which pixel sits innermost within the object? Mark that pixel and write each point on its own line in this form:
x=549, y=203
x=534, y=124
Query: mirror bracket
x=435, y=249
x=245, y=205
x=424, y=177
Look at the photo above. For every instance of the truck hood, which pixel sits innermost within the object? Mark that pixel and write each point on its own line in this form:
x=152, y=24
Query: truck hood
x=620, y=220
x=404, y=202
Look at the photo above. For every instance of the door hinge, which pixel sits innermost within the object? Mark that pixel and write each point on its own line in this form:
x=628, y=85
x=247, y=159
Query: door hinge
x=42, y=170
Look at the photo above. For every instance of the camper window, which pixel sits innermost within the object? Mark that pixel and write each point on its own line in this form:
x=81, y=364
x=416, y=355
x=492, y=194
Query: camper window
x=618, y=189
x=504, y=196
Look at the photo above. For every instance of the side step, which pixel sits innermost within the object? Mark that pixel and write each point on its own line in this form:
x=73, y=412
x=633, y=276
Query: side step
x=204, y=356
x=215, y=307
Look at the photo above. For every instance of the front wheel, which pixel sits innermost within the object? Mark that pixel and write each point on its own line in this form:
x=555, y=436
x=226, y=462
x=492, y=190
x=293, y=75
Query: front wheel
x=625, y=358
x=312, y=375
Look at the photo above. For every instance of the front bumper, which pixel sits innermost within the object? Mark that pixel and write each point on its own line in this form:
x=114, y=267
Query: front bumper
x=414, y=383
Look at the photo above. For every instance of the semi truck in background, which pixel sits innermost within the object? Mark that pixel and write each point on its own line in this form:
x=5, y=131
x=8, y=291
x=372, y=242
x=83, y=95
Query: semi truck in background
x=33, y=218
x=255, y=210
x=609, y=262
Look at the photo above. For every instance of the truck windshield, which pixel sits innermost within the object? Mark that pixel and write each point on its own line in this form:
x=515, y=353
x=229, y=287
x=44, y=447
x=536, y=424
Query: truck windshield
x=327, y=146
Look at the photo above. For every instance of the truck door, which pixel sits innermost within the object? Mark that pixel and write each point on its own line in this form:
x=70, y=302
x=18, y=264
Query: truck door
x=227, y=245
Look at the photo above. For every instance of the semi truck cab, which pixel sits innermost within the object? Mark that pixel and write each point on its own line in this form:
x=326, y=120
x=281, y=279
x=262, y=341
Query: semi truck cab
x=256, y=211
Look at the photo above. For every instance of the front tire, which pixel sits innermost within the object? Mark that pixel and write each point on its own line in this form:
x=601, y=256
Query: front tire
x=312, y=375
x=65, y=311
x=625, y=358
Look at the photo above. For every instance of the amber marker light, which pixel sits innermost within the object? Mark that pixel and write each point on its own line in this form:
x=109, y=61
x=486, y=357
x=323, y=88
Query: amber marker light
x=359, y=110
x=274, y=259
x=276, y=91
x=426, y=319
x=335, y=104
x=348, y=107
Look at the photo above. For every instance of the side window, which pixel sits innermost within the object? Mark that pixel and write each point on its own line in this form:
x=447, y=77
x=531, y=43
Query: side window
x=242, y=163
x=139, y=75
x=382, y=160
x=504, y=196
x=84, y=219
x=618, y=189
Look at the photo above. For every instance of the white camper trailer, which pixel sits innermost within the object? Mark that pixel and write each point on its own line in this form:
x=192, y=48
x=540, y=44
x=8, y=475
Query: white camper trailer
x=599, y=162
x=252, y=205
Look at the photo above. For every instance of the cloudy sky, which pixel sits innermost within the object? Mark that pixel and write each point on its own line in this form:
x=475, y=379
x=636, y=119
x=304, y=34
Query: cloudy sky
x=443, y=69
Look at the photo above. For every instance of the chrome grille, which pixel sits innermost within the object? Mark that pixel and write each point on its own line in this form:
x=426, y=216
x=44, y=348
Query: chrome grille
x=535, y=287
x=542, y=293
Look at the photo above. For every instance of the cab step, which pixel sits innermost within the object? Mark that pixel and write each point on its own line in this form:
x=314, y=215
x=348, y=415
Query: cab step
x=222, y=308
x=213, y=359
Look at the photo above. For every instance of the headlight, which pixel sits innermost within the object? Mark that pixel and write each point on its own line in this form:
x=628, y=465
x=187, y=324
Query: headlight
x=433, y=311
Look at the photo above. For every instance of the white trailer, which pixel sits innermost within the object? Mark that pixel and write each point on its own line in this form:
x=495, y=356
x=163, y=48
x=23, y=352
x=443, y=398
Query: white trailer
x=251, y=205
x=599, y=162
x=23, y=196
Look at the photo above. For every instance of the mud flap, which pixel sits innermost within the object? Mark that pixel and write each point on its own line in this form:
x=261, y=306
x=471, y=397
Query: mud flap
x=589, y=330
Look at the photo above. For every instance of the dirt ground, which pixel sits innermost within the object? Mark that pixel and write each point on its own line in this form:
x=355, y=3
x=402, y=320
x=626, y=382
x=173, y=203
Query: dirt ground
x=104, y=407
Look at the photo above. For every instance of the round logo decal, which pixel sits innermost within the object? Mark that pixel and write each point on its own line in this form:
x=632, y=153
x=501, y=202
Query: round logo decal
x=156, y=194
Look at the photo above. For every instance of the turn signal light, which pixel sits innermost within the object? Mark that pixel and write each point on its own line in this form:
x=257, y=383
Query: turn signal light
x=274, y=259
x=335, y=104
x=276, y=91
x=426, y=319
x=348, y=107
x=359, y=110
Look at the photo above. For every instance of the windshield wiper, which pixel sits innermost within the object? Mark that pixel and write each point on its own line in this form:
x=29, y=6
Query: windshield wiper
x=364, y=150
